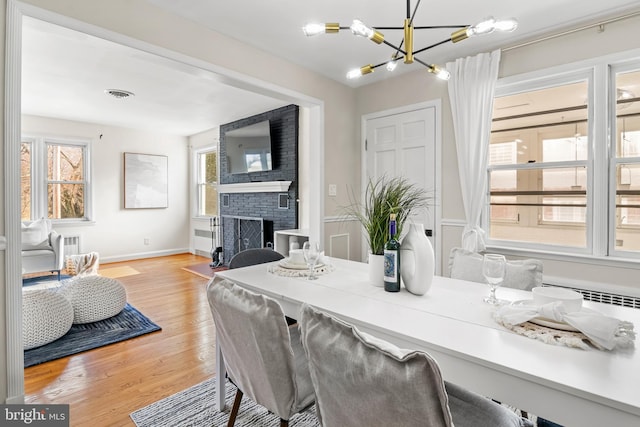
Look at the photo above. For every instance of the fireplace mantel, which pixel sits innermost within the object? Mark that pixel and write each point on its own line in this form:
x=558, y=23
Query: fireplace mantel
x=256, y=187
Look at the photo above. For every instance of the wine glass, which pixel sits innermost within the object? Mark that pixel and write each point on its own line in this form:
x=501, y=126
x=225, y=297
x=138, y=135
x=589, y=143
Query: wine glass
x=493, y=268
x=311, y=252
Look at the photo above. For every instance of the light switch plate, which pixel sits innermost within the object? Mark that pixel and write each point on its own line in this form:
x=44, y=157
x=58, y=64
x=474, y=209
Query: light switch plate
x=333, y=190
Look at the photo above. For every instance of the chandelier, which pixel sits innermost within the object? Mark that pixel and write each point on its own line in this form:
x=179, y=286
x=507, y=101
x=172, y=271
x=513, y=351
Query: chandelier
x=358, y=28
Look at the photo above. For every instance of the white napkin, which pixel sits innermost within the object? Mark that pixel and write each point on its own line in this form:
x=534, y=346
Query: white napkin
x=605, y=332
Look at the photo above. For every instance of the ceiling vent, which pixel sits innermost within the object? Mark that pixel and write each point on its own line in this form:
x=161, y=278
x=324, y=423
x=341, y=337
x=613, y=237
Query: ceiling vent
x=117, y=93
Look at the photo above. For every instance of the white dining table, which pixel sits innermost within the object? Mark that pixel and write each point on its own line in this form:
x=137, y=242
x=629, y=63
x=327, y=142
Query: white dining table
x=570, y=386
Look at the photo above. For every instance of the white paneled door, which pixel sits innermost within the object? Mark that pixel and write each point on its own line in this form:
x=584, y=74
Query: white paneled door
x=404, y=144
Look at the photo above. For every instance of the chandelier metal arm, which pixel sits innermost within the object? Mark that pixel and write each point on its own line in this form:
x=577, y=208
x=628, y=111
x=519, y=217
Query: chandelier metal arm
x=436, y=27
x=432, y=46
x=423, y=27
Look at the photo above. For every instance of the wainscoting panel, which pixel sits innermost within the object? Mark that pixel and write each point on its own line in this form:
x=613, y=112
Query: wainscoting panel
x=339, y=246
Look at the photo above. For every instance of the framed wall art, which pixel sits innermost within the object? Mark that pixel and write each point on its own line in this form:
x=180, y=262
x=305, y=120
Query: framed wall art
x=146, y=181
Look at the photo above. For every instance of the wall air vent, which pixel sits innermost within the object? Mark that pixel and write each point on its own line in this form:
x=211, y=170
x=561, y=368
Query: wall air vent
x=117, y=93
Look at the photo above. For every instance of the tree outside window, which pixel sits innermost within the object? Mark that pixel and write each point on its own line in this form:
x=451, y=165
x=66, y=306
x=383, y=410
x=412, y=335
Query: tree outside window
x=59, y=191
x=208, y=183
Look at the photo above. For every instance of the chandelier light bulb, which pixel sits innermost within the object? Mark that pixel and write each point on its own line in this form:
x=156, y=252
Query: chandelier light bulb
x=440, y=73
x=313, y=29
x=486, y=26
x=507, y=25
x=443, y=75
x=391, y=65
x=359, y=28
x=354, y=74
x=358, y=72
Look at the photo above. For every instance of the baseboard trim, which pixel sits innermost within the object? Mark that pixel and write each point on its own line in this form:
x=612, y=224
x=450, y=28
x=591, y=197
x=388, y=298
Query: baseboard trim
x=15, y=400
x=141, y=255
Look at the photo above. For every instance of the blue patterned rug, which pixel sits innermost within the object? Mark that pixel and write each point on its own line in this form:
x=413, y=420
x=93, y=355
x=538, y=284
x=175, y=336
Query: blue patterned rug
x=129, y=323
x=31, y=281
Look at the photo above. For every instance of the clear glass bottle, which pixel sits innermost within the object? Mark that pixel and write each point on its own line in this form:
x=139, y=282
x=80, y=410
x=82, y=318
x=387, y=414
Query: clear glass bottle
x=392, y=259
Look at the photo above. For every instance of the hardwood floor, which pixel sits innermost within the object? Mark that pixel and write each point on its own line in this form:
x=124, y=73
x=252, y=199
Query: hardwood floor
x=103, y=386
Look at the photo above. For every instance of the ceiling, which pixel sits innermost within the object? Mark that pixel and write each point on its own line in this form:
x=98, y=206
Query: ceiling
x=65, y=72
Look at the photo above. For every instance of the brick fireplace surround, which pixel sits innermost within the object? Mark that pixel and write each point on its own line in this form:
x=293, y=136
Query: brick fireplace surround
x=256, y=206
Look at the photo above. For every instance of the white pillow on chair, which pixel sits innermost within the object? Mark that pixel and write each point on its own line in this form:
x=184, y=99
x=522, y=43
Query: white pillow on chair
x=521, y=274
x=35, y=234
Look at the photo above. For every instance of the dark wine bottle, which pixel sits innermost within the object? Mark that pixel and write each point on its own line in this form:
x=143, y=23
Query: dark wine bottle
x=392, y=259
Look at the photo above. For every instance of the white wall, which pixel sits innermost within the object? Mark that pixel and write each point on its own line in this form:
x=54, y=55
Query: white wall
x=117, y=233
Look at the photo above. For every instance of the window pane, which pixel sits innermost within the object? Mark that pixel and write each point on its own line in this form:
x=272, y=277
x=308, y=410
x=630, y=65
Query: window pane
x=65, y=201
x=65, y=186
x=210, y=201
x=25, y=181
x=207, y=183
x=628, y=207
x=535, y=202
x=628, y=114
x=565, y=149
x=528, y=118
x=564, y=179
x=627, y=197
x=65, y=162
x=211, y=166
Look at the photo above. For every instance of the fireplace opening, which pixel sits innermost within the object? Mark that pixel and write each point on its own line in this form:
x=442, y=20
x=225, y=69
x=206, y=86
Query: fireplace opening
x=242, y=232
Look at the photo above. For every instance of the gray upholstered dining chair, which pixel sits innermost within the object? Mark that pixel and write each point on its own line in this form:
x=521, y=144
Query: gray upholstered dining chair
x=361, y=380
x=263, y=356
x=520, y=274
x=254, y=256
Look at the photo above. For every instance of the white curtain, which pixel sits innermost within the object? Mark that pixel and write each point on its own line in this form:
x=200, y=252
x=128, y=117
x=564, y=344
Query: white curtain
x=471, y=91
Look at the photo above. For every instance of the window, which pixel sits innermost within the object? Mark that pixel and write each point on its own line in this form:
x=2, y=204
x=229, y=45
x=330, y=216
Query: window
x=554, y=181
x=626, y=163
x=54, y=179
x=207, y=183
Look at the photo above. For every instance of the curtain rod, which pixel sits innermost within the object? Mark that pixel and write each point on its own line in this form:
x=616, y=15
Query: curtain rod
x=575, y=30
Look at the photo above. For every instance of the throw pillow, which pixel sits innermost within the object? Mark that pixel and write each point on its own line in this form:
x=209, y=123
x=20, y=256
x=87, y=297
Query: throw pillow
x=35, y=234
x=520, y=274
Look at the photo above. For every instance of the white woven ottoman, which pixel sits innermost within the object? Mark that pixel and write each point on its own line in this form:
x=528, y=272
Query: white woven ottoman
x=94, y=298
x=46, y=316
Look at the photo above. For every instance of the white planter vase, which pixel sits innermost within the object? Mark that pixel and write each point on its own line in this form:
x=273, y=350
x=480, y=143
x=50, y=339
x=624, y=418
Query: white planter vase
x=376, y=270
x=417, y=264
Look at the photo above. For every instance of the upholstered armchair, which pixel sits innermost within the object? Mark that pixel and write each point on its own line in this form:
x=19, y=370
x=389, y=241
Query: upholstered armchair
x=42, y=247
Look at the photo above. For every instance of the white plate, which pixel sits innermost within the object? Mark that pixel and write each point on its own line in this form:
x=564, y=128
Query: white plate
x=291, y=266
x=543, y=321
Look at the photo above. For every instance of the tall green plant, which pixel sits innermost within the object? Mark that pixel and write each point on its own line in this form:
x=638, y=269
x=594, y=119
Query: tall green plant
x=382, y=198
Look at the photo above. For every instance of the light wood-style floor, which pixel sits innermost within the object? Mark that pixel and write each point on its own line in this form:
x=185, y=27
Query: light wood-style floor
x=103, y=386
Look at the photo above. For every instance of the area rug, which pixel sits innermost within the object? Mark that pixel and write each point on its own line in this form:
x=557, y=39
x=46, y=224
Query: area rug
x=49, y=279
x=115, y=272
x=129, y=323
x=203, y=269
x=193, y=407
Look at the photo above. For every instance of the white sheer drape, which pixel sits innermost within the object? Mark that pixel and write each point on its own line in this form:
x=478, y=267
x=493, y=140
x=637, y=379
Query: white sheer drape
x=471, y=91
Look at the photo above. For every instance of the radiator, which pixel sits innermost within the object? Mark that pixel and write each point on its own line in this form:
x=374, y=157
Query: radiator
x=71, y=245
x=605, y=297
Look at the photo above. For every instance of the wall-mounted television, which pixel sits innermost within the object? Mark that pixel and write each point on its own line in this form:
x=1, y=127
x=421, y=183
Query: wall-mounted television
x=249, y=148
